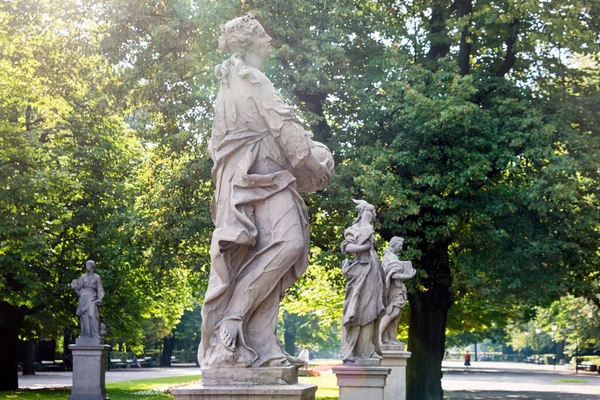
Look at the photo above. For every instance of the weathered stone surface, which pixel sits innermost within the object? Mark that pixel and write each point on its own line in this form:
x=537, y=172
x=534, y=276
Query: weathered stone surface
x=395, y=359
x=361, y=383
x=392, y=347
x=267, y=392
x=395, y=292
x=249, y=376
x=89, y=362
x=363, y=301
x=363, y=362
x=262, y=159
x=90, y=291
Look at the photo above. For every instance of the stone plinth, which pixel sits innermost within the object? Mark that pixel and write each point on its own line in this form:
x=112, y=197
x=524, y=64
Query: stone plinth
x=298, y=391
x=361, y=383
x=394, y=357
x=270, y=383
x=89, y=363
x=249, y=376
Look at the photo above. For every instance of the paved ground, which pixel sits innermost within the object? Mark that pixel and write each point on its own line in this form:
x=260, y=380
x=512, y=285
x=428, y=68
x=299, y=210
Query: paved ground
x=64, y=379
x=481, y=381
x=491, y=381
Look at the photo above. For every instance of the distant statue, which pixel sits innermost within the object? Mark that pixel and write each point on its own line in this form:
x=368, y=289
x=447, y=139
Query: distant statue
x=363, y=303
x=90, y=291
x=262, y=159
x=395, y=291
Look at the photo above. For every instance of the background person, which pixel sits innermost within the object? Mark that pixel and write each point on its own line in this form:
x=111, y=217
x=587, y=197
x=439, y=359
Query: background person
x=304, y=355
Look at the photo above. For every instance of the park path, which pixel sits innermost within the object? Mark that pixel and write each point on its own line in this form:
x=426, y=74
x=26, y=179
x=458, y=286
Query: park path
x=481, y=381
x=64, y=379
x=495, y=380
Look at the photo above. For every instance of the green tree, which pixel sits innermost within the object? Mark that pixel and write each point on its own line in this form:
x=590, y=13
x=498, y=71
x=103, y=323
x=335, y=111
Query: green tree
x=574, y=320
x=167, y=65
x=443, y=114
x=63, y=161
x=75, y=185
x=464, y=122
x=312, y=309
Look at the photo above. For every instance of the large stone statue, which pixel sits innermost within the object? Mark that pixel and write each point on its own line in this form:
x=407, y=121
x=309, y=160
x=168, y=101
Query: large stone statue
x=395, y=291
x=90, y=291
x=262, y=159
x=363, y=304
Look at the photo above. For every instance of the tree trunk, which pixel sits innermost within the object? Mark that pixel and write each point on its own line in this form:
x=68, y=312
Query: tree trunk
x=314, y=103
x=465, y=7
x=69, y=338
x=438, y=35
x=10, y=318
x=289, y=333
x=27, y=357
x=168, y=345
x=427, y=329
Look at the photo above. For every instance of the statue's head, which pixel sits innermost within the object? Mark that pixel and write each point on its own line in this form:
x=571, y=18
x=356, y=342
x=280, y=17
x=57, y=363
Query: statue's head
x=90, y=265
x=363, y=209
x=245, y=36
x=396, y=244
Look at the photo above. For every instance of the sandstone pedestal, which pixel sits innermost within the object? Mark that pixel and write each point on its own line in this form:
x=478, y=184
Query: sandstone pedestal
x=394, y=357
x=271, y=383
x=361, y=382
x=89, y=363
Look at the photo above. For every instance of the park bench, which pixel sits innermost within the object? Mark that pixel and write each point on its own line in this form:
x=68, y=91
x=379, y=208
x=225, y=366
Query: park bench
x=148, y=362
x=117, y=363
x=134, y=364
x=587, y=366
x=48, y=365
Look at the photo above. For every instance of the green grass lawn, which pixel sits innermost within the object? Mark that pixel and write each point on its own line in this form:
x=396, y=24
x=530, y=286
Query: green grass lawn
x=156, y=389
x=327, y=384
x=143, y=389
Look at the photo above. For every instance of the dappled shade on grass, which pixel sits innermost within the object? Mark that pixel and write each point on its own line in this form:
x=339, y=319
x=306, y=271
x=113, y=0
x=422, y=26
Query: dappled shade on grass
x=327, y=383
x=155, y=389
x=158, y=389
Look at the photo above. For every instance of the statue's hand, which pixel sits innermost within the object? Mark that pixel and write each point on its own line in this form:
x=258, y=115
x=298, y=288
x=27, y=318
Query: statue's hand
x=315, y=169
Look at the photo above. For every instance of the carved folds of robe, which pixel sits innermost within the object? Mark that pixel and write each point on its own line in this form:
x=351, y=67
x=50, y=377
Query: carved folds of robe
x=90, y=290
x=260, y=243
x=363, y=304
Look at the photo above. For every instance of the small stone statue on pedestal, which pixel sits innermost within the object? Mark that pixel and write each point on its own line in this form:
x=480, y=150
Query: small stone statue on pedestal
x=393, y=352
x=363, y=303
x=90, y=291
x=89, y=352
x=361, y=376
x=395, y=291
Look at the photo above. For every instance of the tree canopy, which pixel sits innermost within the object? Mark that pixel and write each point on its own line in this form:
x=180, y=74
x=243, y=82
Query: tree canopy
x=470, y=125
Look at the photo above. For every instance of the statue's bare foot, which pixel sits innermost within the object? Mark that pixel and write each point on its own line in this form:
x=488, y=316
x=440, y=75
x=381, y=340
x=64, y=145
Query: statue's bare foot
x=229, y=332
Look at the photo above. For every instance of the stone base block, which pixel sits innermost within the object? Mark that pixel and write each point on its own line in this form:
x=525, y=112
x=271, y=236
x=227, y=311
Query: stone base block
x=249, y=376
x=395, y=359
x=89, y=362
x=87, y=397
x=363, y=362
x=361, y=383
x=298, y=391
x=392, y=347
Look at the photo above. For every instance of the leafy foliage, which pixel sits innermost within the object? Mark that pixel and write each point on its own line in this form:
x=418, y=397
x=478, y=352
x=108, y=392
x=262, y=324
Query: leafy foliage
x=470, y=125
